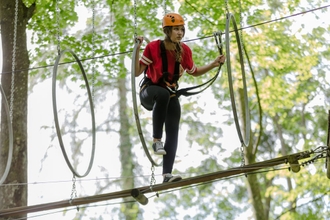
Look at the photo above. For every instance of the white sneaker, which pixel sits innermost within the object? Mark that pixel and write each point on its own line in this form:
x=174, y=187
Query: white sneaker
x=170, y=178
x=158, y=148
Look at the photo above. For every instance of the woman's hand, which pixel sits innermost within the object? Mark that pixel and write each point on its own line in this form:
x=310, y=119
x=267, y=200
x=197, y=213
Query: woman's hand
x=139, y=68
x=203, y=69
x=139, y=39
x=219, y=60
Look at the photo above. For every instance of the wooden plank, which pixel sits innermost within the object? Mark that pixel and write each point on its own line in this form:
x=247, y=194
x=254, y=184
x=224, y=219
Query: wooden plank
x=158, y=187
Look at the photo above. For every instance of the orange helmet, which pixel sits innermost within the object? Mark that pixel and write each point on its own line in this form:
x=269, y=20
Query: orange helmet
x=172, y=19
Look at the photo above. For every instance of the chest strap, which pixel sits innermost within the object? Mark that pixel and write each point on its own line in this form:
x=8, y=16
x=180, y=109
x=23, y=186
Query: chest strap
x=174, y=84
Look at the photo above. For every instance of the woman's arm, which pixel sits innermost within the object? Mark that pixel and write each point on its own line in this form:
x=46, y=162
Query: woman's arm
x=139, y=68
x=204, y=69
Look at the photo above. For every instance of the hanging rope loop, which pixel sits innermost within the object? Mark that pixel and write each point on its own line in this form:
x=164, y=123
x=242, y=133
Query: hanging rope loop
x=11, y=137
x=9, y=108
x=90, y=93
x=246, y=139
x=57, y=125
x=135, y=108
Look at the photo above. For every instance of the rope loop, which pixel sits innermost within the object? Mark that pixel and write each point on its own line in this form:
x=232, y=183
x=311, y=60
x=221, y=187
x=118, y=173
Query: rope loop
x=135, y=108
x=57, y=126
x=246, y=139
x=11, y=137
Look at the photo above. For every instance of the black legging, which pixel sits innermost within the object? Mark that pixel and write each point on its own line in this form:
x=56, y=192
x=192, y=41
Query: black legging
x=166, y=110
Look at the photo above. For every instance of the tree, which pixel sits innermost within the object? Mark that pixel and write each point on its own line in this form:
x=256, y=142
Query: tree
x=272, y=64
x=284, y=66
x=15, y=195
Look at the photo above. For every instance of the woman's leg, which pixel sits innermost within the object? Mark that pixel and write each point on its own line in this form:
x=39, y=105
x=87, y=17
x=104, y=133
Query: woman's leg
x=172, y=133
x=156, y=98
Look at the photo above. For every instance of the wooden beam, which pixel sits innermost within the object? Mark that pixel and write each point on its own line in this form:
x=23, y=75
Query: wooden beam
x=11, y=212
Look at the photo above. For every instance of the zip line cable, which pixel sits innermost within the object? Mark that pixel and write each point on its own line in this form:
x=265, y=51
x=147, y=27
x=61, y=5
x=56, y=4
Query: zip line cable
x=190, y=40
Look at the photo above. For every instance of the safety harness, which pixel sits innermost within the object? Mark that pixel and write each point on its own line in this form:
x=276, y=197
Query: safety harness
x=173, y=86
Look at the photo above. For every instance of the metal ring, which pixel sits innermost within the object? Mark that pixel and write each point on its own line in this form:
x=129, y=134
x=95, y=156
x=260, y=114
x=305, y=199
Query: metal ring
x=58, y=130
x=246, y=140
x=135, y=108
x=11, y=139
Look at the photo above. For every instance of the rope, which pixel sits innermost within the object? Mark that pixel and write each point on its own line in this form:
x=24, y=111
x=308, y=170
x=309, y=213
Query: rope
x=10, y=131
x=185, y=91
x=89, y=92
x=58, y=129
x=135, y=108
x=244, y=141
x=9, y=109
x=189, y=40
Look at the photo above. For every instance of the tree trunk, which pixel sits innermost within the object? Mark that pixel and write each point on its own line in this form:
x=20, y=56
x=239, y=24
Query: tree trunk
x=14, y=191
x=129, y=210
x=250, y=157
x=284, y=151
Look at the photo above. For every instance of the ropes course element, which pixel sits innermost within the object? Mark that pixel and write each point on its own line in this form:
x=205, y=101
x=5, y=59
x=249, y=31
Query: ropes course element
x=185, y=91
x=58, y=129
x=246, y=139
x=10, y=131
x=9, y=108
x=247, y=169
x=89, y=92
x=135, y=108
x=190, y=40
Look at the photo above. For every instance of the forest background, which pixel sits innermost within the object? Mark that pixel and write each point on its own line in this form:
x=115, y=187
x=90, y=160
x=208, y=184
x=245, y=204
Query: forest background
x=287, y=90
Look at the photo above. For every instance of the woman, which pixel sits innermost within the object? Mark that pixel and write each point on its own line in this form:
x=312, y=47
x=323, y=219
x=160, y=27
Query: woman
x=164, y=62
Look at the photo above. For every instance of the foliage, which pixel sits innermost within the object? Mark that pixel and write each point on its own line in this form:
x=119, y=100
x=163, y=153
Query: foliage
x=289, y=65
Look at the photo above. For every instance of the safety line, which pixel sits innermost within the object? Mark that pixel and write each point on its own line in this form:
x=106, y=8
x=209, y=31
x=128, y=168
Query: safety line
x=194, y=39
